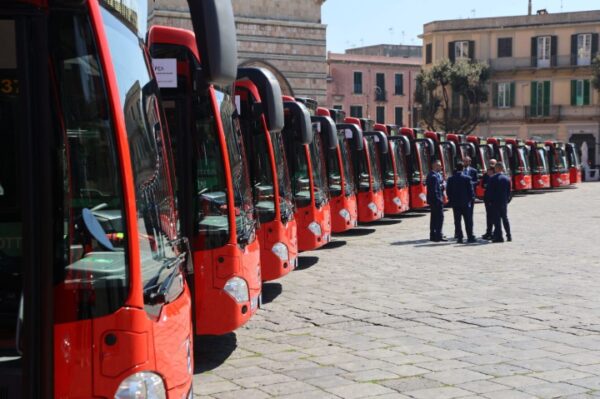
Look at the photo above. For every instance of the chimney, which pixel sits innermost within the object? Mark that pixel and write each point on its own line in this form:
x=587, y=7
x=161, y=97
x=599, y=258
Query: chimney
x=529, y=8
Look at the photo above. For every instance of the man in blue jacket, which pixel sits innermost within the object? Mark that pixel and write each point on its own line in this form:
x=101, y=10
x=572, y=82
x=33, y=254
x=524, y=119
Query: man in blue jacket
x=489, y=213
x=499, y=196
x=435, y=199
x=461, y=197
x=471, y=172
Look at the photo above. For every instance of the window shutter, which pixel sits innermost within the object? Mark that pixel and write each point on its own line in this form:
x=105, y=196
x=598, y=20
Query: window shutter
x=534, y=51
x=573, y=92
x=451, y=54
x=495, y=95
x=586, y=92
x=594, y=45
x=534, y=98
x=472, y=50
x=553, y=49
x=512, y=94
x=574, y=49
x=547, y=98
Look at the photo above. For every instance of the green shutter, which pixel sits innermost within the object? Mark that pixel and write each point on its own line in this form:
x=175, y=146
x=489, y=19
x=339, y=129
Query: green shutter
x=495, y=95
x=512, y=94
x=573, y=92
x=586, y=92
x=547, y=98
x=533, y=98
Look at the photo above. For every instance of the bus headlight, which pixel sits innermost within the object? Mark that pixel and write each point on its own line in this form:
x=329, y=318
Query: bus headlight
x=345, y=214
x=315, y=228
x=143, y=385
x=281, y=250
x=237, y=288
x=397, y=201
x=372, y=207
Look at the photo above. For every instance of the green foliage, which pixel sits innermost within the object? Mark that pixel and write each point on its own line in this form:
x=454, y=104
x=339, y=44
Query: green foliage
x=596, y=72
x=451, y=94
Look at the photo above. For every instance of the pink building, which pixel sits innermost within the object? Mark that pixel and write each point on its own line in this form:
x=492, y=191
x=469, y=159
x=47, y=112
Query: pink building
x=374, y=82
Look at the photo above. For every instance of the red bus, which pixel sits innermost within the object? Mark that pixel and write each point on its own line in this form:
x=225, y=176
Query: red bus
x=419, y=165
x=574, y=163
x=559, y=165
x=482, y=153
x=93, y=296
x=261, y=115
x=367, y=173
x=214, y=191
x=344, y=208
x=519, y=163
x=394, y=171
x=445, y=152
x=307, y=171
x=502, y=153
x=538, y=159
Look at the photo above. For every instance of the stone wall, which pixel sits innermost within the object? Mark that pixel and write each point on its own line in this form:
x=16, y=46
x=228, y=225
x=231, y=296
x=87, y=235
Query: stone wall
x=286, y=37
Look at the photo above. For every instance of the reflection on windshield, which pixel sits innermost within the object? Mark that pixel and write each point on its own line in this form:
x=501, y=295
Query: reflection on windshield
x=244, y=208
x=334, y=174
x=425, y=158
x=286, y=202
x=347, y=164
x=540, y=161
x=506, y=159
x=321, y=191
x=400, y=165
x=523, y=161
x=374, y=163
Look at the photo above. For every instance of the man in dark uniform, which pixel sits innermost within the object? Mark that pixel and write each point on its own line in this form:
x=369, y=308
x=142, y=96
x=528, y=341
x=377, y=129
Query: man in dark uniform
x=489, y=217
x=471, y=172
x=499, y=194
x=435, y=199
x=461, y=197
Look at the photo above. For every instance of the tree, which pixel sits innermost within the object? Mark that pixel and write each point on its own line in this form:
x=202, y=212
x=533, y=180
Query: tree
x=596, y=72
x=451, y=94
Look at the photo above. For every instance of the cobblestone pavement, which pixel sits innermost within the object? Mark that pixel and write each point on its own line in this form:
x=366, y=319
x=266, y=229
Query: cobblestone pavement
x=384, y=313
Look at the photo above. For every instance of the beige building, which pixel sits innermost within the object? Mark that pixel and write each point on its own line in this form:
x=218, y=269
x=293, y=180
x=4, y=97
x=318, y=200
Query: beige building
x=286, y=37
x=541, y=74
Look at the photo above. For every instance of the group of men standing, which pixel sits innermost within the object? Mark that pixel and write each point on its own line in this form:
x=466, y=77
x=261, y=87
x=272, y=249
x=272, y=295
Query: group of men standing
x=460, y=189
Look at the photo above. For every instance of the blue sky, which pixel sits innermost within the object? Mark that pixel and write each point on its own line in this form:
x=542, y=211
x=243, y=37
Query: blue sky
x=356, y=23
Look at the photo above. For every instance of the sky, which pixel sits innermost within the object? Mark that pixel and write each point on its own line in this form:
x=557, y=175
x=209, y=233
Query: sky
x=357, y=23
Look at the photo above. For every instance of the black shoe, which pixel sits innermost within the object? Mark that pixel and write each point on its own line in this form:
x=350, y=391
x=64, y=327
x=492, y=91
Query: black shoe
x=434, y=239
x=498, y=239
x=508, y=237
x=487, y=236
x=471, y=240
x=443, y=239
x=459, y=240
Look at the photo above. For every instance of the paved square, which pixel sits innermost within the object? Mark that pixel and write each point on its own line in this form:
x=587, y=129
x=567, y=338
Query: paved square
x=385, y=313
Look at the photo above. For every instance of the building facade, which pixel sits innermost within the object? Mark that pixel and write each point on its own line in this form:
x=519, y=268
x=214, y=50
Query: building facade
x=373, y=85
x=541, y=73
x=285, y=37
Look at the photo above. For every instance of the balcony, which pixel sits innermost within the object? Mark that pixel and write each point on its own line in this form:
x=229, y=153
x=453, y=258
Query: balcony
x=560, y=61
x=580, y=113
x=542, y=114
x=506, y=114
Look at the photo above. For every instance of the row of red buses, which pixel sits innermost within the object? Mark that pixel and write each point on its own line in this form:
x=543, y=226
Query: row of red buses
x=86, y=149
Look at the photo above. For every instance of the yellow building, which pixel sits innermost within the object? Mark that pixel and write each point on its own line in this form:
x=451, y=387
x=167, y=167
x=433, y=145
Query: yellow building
x=541, y=74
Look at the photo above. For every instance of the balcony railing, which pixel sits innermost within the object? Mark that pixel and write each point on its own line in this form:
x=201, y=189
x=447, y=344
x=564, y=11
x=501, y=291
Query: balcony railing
x=542, y=114
x=584, y=112
x=380, y=94
x=561, y=61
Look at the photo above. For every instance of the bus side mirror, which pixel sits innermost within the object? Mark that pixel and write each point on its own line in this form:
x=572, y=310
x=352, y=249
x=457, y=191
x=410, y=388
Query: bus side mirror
x=509, y=150
x=328, y=130
x=452, y=146
x=215, y=31
x=353, y=132
x=382, y=141
x=430, y=147
x=304, y=132
x=270, y=94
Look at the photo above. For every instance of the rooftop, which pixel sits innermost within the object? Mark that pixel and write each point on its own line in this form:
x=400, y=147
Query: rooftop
x=563, y=18
x=373, y=59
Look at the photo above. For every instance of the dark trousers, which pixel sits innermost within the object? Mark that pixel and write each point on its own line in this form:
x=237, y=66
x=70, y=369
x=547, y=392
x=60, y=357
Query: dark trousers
x=466, y=213
x=500, y=212
x=436, y=222
x=489, y=218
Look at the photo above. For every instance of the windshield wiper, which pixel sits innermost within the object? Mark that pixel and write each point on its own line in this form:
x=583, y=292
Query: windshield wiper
x=156, y=292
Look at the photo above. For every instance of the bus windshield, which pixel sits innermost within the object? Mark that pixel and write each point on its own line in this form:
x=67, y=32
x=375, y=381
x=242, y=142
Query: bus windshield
x=425, y=158
x=374, y=164
x=523, y=161
x=541, y=161
x=286, y=203
x=321, y=191
x=297, y=161
x=238, y=163
x=448, y=161
x=387, y=167
x=506, y=159
x=347, y=164
x=402, y=180
x=484, y=161
x=417, y=175
x=334, y=174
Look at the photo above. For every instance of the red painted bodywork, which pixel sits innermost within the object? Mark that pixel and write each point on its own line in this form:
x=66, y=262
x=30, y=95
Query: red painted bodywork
x=391, y=195
x=418, y=192
x=274, y=231
x=339, y=224
x=84, y=365
x=215, y=311
x=363, y=199
x=521, y=180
